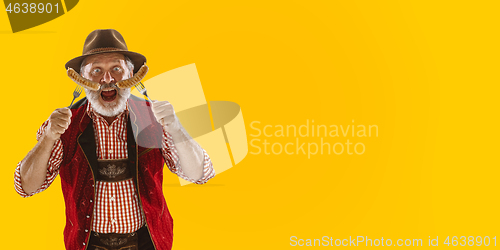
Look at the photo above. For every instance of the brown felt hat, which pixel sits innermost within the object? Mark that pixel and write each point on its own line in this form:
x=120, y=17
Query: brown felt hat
x=105, y=41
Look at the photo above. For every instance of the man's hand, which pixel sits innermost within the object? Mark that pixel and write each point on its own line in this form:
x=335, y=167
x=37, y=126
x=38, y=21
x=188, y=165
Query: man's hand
x=34, y=166
x=165, y=115
x=190, y=153
x=59, y=121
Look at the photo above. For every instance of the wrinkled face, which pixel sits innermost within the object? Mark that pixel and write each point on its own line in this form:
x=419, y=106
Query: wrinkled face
x=107, y=69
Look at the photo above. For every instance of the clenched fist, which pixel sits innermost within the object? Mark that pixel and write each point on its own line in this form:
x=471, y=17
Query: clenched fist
x=165, y=114
x=59, y=121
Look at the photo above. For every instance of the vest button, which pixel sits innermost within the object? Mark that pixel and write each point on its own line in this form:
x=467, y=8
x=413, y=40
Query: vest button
x=88, y=216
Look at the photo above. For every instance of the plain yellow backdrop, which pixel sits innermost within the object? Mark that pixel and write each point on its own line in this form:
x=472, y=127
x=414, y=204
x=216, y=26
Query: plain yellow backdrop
x=425, y=72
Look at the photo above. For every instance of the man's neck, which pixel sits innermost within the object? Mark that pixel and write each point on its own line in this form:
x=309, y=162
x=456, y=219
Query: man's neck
x=109, y=119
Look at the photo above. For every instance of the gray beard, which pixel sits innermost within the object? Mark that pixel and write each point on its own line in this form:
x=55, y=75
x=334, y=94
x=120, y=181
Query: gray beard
x=110, y=110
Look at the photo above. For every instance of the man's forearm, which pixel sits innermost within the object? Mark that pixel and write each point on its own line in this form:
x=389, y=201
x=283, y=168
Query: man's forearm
x=34, y=166
x=190, y=152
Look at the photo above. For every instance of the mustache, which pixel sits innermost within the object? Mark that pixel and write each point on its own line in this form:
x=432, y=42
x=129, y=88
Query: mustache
x=107, y=85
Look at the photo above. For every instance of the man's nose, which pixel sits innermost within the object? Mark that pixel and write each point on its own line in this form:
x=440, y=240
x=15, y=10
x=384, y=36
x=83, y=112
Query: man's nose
x=107, y=78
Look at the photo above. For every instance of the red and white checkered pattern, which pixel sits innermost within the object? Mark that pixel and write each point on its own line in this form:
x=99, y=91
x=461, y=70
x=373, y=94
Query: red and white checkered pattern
x=117, y=208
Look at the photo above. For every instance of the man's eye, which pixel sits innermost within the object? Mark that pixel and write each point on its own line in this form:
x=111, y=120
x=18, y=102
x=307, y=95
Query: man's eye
x=95, y=71
x=117, y=68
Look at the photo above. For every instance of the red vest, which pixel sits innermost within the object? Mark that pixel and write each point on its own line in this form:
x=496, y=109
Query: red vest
x=146, y=162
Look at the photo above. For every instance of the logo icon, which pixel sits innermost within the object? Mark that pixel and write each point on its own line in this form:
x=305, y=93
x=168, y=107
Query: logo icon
x=217, y=126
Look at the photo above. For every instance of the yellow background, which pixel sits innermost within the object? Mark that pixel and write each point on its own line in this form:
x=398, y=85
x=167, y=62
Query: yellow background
x=425, y=72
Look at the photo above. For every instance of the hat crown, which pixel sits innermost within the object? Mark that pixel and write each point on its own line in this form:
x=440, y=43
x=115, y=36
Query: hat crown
x=105, y=41
x=108, y=39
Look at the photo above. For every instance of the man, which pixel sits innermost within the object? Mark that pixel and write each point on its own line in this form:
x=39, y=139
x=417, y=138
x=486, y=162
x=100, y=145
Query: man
x=109, y=149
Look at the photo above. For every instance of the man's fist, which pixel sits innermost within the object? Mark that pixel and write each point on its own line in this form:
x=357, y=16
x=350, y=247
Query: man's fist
x=165, y=114
x=59, y=121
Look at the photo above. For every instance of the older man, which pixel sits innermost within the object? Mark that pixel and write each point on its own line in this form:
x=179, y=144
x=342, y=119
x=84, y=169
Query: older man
x=109, y=149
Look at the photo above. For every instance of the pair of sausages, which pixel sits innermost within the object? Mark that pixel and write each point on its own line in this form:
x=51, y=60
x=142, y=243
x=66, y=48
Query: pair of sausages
x=128, y=83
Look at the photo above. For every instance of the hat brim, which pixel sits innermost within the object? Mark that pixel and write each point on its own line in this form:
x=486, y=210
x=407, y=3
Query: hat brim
x=137, y=59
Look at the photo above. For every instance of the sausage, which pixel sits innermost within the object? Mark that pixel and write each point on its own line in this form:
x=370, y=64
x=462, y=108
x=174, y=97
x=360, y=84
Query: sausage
x=78, y=79
x=128, y=83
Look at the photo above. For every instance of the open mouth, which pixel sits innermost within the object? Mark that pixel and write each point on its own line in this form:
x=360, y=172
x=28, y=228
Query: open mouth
x=108, y=95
